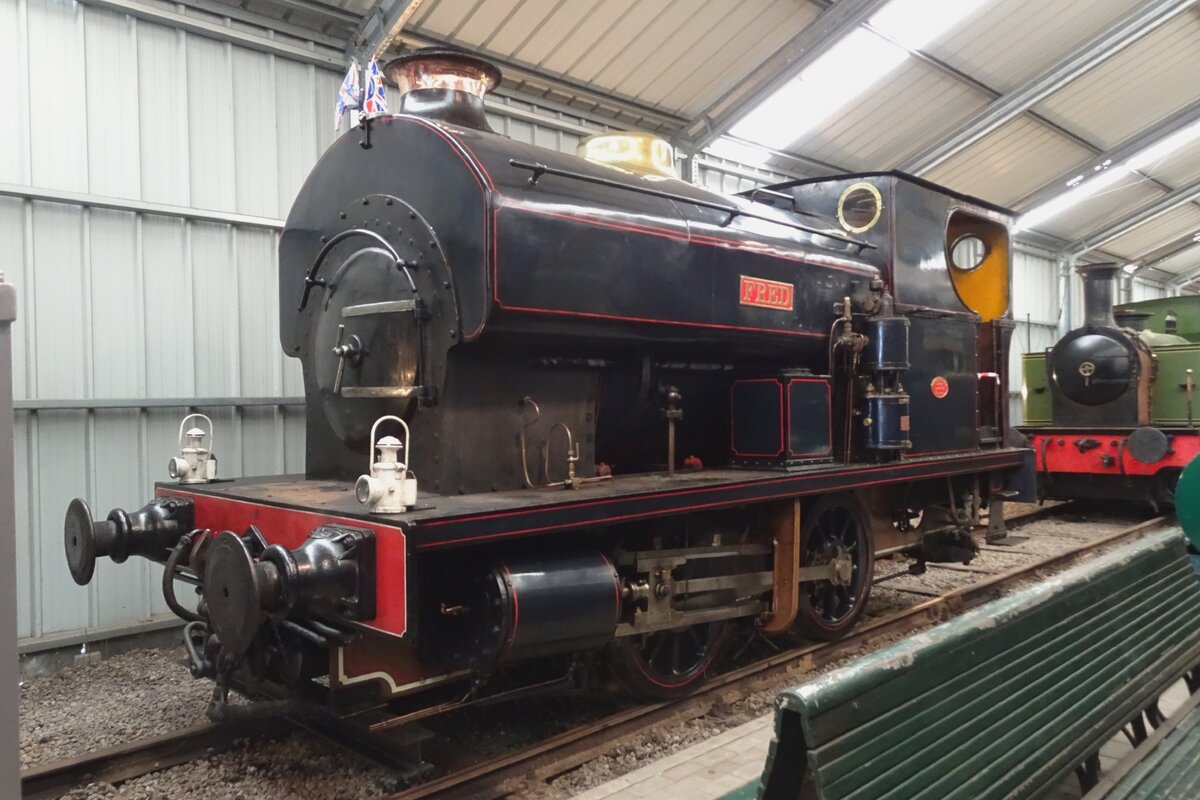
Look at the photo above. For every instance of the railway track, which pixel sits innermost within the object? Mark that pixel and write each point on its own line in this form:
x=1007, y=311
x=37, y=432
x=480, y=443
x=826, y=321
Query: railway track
x=503, y=775
x=121, y=763
x=124, y=762
x=508, y=774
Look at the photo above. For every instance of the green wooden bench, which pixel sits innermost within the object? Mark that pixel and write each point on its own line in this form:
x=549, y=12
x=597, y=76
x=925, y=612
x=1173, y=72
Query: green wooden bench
x=1004, y=701
x=1166, y=765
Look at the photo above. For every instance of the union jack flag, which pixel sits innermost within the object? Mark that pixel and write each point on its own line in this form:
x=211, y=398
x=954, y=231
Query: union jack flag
x=349, y=95
x=375, y=99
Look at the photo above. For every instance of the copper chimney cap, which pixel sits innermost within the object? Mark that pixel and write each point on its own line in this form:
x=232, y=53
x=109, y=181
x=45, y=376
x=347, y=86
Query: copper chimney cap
x=444, y=83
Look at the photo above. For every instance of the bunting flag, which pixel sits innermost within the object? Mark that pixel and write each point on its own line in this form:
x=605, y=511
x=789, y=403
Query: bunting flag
x=375, y=98
x=349, y=95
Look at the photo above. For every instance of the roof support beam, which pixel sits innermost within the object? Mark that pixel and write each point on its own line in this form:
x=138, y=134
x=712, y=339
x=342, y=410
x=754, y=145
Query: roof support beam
x=1154, y=259
x=215, y=30
x=784, y=64
x=1129, y=29
x=1173, y=123
x=1168, y=202
x=379, y=27
x=324, y=9
x=562, y=94
x=1188, y=277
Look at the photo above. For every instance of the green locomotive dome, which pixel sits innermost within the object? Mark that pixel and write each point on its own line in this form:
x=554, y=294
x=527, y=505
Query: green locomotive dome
x=1178, y=316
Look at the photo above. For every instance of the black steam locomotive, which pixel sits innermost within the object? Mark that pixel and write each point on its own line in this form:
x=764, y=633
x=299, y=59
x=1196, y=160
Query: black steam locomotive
x=572, y=417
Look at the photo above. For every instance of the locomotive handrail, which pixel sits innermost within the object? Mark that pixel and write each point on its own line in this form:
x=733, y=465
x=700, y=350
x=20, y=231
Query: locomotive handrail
x=311, y=279
x=539, y=170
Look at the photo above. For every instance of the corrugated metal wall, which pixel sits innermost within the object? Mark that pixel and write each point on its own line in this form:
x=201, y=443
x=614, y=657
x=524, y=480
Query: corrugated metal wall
x=721, y=175
x=120, y=304
x=1036, y=312
x=117, y=304
x=153, y=277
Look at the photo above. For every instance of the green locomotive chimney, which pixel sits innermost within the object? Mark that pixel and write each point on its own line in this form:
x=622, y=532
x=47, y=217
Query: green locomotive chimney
x=1099, y=281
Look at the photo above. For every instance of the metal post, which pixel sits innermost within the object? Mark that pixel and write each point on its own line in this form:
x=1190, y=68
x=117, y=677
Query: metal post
x=10, y=694
x=1065, y=268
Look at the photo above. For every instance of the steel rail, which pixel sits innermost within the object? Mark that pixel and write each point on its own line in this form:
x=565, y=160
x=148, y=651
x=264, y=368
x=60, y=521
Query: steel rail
x=141, y=757
x=507, y=774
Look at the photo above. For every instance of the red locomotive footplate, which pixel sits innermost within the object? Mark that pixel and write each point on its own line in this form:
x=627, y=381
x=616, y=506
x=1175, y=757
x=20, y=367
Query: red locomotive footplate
x=1105, y=453
x=290, y=527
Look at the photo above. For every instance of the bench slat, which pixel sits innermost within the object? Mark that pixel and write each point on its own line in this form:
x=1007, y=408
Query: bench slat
x=1041, y=702
x=1003, y=700
x=940, y=709
x=1165, y=765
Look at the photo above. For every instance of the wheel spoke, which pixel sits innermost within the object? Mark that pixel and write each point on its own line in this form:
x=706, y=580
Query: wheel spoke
x=845, y=599
x=659, y=640
x=836, y=533
x=828, y=604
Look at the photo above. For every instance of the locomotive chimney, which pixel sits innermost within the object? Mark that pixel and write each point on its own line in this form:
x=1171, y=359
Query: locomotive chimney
x=444, y=84
x=1098, y=285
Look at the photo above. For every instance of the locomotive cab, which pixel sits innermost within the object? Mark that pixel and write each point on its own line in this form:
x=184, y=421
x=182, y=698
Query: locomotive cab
x=946, y=260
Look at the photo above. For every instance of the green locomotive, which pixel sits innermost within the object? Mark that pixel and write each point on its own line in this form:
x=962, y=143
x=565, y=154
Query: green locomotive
x=1110, y=409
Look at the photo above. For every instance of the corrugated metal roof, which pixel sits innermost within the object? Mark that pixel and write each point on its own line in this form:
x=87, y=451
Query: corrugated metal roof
x=1181, y=222
x=1148, y=80
x=1185, y=260
x=677, y=55
x=1109, y=206
x=1180, y=167
x=1007, y=42
x=1010, y=162
x=926, y=102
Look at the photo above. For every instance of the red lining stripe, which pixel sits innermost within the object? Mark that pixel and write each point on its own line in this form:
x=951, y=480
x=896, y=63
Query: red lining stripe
x=732, y=438
x=699, y=674
x=616, y=588
x=670, y=511
x=828, y=415
x=596, y=315
x=476, y=168
x=624, y=499
x=678, y=323
x=512, y=590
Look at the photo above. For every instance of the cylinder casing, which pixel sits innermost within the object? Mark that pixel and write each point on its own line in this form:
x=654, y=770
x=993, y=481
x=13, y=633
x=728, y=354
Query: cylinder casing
x=889, y=422
x=887, y=344
x=558, y=604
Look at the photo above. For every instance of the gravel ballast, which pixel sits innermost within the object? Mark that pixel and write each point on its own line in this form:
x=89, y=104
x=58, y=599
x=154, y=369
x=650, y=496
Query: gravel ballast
x=293, y=768
x=143, y=693
x=126, y=697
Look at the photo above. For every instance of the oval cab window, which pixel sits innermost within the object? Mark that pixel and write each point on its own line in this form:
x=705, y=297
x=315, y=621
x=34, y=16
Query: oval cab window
x=859, y=207
x=968, y=253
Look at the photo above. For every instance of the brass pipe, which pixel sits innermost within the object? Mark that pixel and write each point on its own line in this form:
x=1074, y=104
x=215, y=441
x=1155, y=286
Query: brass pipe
x=671, y=446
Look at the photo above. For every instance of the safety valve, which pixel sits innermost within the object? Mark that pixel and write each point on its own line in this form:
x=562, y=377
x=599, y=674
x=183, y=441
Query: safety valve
x=389, y=488
x=195, y=463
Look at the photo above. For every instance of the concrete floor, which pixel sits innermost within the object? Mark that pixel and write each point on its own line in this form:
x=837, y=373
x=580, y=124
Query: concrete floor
x=711, y=769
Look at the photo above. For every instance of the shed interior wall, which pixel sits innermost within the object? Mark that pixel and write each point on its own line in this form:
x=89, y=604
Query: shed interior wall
x=124, y=303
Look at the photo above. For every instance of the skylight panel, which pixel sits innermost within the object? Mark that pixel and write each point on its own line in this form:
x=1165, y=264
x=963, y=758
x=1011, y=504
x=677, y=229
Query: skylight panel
x=1144, y=159
x=849, y=68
